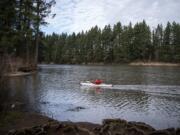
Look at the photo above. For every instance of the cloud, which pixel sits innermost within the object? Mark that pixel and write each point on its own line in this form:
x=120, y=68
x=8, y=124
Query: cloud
x=78, y=15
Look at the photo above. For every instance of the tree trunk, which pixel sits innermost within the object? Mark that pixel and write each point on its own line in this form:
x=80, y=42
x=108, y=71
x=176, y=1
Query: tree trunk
x=37, y=36
x=36, y=48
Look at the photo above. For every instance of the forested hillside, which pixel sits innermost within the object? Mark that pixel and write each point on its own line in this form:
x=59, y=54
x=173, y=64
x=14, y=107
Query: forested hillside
x=114, y=45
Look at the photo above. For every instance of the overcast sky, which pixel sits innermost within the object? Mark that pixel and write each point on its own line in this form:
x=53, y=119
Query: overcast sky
x=78, y=15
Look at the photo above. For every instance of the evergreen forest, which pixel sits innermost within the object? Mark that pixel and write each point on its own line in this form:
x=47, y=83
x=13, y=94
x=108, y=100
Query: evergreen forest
x=21, y=37
x=117, y=44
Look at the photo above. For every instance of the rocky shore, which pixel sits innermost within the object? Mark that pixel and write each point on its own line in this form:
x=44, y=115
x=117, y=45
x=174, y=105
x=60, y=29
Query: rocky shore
x=33, y=124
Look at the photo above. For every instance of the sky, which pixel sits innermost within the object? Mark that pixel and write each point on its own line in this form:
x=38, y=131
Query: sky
x=77, y=15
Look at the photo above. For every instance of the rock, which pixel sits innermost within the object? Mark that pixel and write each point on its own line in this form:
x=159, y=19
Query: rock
x=178, y=131
x=116, y=121
x=46, y=127
x=41, y=133
x=13, y=106
x=143, y=126
x=75, y=127
x=28, y=131
x=104, y=129
x=60, y=126
x=97, y=129
x=38, y=130
x=69, y=130
x=76, y=109
x=109, y=127
x=171, y=131
x=118, y=134
x=116, y=125
x=113, y=126
x=12, y=132
x=21, y=132
x=134, y=131
x=44, y=102
x=159, y=132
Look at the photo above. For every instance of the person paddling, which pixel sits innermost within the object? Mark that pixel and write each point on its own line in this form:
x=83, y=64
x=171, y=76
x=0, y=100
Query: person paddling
x=97, y=81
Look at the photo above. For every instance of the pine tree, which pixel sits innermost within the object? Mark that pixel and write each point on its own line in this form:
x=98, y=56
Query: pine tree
x=107, y=42
x=42, y=9
x=176, y=41
x=142, y=41
x=166, y=48
x=117, y=42
x=7, y=23
x=157, y=42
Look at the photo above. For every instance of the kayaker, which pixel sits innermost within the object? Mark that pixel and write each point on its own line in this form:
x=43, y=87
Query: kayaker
x=97, y=81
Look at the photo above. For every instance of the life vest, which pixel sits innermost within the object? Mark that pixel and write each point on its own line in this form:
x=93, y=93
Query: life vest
x=97, y=81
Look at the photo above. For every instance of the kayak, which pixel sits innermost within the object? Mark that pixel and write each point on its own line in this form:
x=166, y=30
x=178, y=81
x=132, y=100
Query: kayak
x=90, y=84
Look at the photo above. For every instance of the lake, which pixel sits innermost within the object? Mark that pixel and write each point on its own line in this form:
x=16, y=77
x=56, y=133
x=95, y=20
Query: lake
x=146, y=94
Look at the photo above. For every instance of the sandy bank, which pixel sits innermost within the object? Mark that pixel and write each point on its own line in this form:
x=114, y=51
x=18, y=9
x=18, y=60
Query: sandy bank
x=153, y=64
x=19, y=74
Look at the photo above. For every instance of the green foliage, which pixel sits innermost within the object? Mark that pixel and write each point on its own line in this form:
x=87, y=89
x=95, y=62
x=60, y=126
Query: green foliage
x=19, y=26
x=142, y=41
x=115, y=45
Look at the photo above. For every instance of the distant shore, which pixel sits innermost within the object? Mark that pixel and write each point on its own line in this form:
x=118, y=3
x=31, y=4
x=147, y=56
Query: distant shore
x=153, y=64
x=20, y=73
x=131, y=64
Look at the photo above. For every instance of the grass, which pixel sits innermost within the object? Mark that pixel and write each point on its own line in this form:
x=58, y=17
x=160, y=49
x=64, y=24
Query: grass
x=9, y=118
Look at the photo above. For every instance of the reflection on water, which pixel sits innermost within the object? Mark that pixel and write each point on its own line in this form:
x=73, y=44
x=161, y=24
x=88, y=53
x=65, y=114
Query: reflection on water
x=147, y=94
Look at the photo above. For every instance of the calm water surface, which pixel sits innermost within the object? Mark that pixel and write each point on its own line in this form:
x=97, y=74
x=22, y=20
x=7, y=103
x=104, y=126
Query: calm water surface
x=146, y=94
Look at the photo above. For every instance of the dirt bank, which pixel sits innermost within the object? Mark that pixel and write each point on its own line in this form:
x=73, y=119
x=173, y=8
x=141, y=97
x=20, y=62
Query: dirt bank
x=18, y=123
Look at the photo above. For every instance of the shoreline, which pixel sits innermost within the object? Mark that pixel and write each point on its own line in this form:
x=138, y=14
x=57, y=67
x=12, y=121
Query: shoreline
x=116, y=64
x=153, y=64
x=15, y=74
x=31, y=123
x=148, y=64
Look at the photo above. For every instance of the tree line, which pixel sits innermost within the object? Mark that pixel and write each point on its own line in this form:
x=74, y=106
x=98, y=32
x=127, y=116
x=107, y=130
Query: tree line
x=20, y=22
x=20, y=36
x=114, y=45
